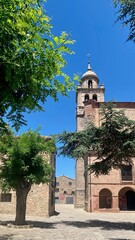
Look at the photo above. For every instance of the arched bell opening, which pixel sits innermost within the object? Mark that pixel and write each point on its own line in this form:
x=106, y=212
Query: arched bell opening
x=86, y=97
x=95, y=97
x=90, y=84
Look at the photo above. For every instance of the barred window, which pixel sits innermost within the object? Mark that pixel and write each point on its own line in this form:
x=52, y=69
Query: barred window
x=5, y=197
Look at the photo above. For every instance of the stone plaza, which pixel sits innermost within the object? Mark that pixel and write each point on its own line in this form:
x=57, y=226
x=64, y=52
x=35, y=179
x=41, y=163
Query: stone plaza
x=70, y=223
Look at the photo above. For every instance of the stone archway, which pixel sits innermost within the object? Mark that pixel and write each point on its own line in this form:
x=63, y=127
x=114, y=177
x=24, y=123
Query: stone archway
x=105, y=198
x=127, y=199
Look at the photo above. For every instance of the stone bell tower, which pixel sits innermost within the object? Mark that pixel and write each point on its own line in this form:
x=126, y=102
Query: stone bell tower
x=87, y=91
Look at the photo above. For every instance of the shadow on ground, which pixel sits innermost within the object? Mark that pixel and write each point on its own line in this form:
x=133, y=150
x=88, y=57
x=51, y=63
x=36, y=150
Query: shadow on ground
x=6, y=237
x=104, y=225
x=36, y=224
x=120, y=239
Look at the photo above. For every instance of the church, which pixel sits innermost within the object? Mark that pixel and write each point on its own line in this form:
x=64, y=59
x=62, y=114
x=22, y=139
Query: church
x=114, y=192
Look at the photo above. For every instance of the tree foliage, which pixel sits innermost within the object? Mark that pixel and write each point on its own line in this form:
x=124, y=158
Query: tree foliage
x=31, y=59
x=126, y=14
x=113, y=143
x=25, y=161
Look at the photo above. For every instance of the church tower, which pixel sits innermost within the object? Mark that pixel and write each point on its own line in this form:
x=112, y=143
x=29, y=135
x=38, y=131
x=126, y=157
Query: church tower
x=88, y=91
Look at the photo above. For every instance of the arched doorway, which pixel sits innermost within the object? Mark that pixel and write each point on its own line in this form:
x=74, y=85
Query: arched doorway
x=127, y=199
x=130, y=200
x=105, y=198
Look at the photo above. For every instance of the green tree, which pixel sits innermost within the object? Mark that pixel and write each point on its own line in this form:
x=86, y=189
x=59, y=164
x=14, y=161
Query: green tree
x=25, y=161
x=31, y=59
x=113, y=143
x=126, y=14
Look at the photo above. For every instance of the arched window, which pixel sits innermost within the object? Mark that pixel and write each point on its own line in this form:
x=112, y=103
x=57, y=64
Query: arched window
x=95, y=97
x=89, y=84
x=86, y=97
x=105, y=198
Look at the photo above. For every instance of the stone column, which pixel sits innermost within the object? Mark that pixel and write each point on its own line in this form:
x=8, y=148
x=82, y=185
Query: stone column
x=115, y=203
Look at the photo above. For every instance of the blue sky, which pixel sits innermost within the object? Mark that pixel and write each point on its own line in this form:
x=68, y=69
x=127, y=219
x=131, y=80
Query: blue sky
x=91, y=24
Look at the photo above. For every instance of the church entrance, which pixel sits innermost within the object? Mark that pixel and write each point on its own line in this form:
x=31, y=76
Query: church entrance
x=130, y=200
x=127, y=199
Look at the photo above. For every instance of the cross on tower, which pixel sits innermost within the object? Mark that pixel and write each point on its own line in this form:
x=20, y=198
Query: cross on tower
x=89, y=67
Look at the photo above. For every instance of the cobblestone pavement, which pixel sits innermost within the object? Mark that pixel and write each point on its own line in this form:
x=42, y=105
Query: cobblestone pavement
x=72, y=224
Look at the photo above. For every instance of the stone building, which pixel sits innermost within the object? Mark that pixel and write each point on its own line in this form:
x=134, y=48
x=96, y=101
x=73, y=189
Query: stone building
x=65, y=190
x=40, y=200
x=113, y=192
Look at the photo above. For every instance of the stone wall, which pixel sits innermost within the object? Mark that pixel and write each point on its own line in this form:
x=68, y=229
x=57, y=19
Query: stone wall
x=65, y=190
x=38, y=202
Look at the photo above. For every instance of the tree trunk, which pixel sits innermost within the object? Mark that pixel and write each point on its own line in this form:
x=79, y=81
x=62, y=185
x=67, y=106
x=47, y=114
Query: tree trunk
x=21, y=199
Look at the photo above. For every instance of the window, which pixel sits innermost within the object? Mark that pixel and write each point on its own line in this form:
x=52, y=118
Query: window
x=70, y=183
x=5, y=197
x=57, y=184
x=56, y=198
x=57, y=190
x=73, y=192
x=65, y=192
x=126, y=173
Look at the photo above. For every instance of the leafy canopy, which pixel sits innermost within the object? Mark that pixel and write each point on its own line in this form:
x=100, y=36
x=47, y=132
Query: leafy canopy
x=31, y=59
x=112, y=144
x=25, y=159
x=126, y=14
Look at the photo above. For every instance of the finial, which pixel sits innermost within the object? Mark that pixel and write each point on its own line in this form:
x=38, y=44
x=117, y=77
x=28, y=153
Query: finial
x=89, y=67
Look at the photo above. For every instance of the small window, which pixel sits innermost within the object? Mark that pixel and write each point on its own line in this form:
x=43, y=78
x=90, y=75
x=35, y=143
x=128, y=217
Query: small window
x=126, y=173
x=5, y=197
x=65, y=192
x=73, y=192
x=56, y=198
x=70, y=183
x=57, y=184
x=57, y=190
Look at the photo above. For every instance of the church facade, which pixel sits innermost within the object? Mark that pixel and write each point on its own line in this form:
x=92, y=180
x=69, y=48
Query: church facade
x=116, y=191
